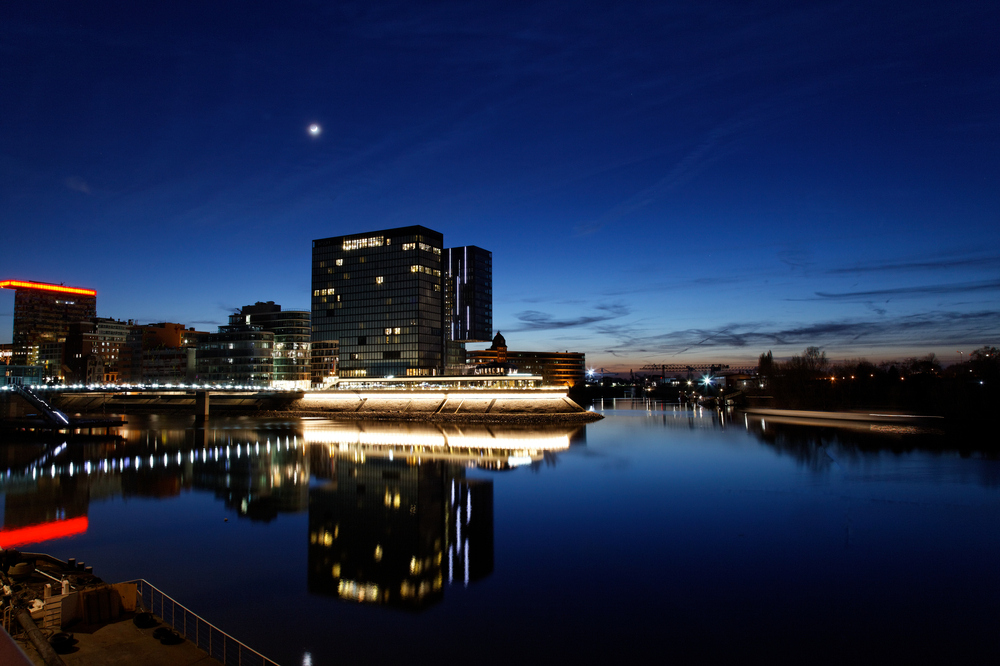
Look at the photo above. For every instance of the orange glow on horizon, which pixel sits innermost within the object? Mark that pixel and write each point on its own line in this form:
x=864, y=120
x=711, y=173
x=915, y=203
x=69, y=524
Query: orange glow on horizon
x=24, y=284
x=56, y=529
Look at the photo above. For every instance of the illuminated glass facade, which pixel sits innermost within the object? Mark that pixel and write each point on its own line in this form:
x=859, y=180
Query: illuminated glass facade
x=469, y=296
x=380, y=295
x=292, y=358
x=557, y=368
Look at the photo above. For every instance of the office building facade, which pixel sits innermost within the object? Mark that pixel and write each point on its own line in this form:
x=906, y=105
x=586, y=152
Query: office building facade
x=556, y=368
x=161, y=353
x=111, y=336
x=238, y=354
x=43, y=313
x=291, y=353
x=380, y=296
x=324, y=363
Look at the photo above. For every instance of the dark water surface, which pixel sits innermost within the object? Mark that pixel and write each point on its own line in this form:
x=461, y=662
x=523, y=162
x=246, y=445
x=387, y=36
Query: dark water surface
x=673, y=535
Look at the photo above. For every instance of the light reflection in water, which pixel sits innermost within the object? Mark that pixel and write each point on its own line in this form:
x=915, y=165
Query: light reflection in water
x=670, y=528
x=257, y=472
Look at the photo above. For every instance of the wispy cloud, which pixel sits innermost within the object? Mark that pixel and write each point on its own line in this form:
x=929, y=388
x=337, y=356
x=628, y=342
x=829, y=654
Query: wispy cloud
x=796, y=259
x=929, y=265
x=533, y=320
x=926, y=329
x=677, y=285
x=77, y=184
x=923, y=290
x=714, y=145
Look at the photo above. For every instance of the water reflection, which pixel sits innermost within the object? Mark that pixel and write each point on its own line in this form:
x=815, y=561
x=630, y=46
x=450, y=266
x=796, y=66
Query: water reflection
x=487, y=447
x=392, y=516
x=387, y=531
x=396, y=520
x=777, y=537
x=822, y=446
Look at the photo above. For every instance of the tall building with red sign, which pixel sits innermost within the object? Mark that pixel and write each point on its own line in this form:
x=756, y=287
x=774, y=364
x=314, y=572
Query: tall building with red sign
x=43, y=314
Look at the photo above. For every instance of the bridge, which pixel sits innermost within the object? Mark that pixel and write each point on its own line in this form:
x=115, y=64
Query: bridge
x=52, y=405
x=50, y=418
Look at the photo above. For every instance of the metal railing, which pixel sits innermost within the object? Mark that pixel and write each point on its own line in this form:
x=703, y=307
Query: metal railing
x=7, y=620
x=636, y=404
x=217, y=643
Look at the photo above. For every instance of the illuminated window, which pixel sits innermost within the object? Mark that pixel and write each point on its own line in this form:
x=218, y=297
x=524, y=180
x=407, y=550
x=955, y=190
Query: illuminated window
x=379, y=280
x=374, y=241
x=409, y=246
x=340, y=262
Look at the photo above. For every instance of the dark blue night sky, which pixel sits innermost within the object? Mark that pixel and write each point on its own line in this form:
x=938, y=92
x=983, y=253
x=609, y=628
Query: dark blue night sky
x=658, y=182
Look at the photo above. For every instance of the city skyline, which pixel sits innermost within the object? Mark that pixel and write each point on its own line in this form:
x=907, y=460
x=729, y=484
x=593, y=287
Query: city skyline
x=656, y=184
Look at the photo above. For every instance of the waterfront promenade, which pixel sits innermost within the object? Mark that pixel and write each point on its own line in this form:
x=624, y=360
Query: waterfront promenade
x=448, y=404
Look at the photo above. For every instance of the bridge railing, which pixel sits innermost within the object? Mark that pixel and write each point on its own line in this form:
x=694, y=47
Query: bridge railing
x=51, y=414
x=217, y=643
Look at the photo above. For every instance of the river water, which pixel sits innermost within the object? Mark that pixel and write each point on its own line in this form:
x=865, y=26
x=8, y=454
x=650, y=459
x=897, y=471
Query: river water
x=662, y=533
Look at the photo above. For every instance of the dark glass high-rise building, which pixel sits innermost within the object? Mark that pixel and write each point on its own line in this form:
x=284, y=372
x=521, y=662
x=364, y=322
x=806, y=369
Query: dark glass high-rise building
x=380, y=294
x=469, y=295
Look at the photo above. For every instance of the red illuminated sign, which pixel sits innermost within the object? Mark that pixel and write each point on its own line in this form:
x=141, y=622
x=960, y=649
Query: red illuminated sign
x=43, y=532
x=23, y=284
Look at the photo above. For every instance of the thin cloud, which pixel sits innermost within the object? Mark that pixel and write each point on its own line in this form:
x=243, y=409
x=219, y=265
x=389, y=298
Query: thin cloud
x=932, y=265
x=709, y=150
x=926, y=290
x=77, y=184
x=533, y=320
x=925, y=329
x=796, y=259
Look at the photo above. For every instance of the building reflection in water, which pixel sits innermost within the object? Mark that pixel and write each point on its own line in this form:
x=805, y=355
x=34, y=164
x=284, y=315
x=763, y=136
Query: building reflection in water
x=395, y=519
x=46, y=488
